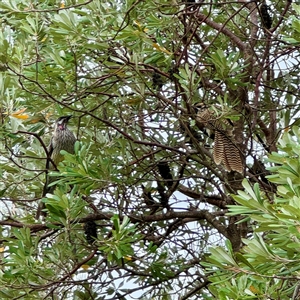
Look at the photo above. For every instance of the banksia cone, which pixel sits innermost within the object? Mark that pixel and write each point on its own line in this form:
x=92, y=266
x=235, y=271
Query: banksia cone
x=225, y=150
x=165, y=172
x=265, y=16
x=90, y=231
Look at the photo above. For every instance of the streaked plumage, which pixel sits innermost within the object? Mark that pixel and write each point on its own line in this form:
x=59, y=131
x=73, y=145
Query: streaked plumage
x=62, y=139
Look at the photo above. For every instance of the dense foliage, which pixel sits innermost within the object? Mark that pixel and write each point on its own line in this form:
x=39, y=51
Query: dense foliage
x=268, y=265
x=170, y=222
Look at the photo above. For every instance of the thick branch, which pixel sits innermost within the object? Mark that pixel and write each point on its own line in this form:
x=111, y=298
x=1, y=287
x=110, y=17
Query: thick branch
x=223, y=29
x=193, y=215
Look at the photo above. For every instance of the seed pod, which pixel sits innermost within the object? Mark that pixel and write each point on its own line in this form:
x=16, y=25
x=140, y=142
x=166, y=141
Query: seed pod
x=157, y=81
x=225, y=150
x=165, y=172
x=265, y=16
x=90, y=231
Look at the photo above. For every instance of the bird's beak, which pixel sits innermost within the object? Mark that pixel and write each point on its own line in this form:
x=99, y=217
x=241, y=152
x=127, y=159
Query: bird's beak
x=68, y=118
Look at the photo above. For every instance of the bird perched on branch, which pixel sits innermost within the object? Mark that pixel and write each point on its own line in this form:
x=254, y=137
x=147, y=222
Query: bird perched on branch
x=225, y=150
x=62, y=139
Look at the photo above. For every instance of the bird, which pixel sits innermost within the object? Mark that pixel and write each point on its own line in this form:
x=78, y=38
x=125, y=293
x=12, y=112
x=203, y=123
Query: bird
x=62, y=139
x=225, y=151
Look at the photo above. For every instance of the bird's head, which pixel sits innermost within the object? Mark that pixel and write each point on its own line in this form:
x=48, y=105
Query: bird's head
x=200, y=106
x=61, y=122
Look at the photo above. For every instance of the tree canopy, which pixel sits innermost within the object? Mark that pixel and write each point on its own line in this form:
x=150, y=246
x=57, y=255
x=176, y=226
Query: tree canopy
x=148, y=206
